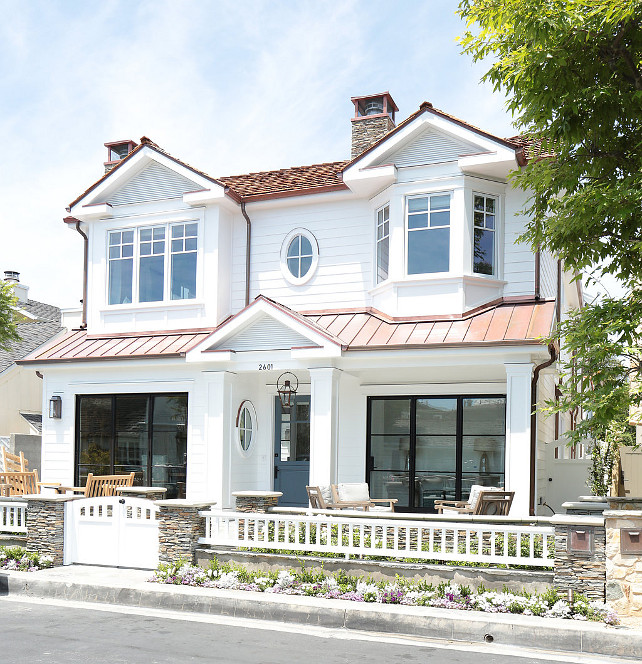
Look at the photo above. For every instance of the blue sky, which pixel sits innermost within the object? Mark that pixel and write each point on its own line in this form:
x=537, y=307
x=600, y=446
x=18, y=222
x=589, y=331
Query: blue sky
x=228, y=86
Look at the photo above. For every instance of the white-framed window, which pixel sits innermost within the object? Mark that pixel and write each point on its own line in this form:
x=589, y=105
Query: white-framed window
x=383, y=242
x=246, y=426
x=428, y=233
x=151, y=264
x=145, y=267
x=485, y=210
x=184, y=248
x=299, y=256
x=121, y=266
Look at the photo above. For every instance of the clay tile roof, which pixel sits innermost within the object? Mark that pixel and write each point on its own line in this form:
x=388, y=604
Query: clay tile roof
x=534, y=148
x=292, y=180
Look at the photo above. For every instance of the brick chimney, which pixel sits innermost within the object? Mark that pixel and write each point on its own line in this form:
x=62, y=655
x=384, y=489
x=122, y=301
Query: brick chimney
x=116, y=152
x=19, y=290
x=374, y=117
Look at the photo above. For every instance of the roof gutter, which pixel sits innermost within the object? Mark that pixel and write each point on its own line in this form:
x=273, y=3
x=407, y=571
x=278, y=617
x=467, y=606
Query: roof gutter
x=248, y=244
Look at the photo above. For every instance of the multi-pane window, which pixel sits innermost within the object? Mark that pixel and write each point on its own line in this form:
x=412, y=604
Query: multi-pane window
x=184, y=246
x=300, y=256
x=429, y=234
x=144, y=265
x=383, y=242
x=485, y=216
x=151, y=279
x=121, y=266
x=143, y=433
x=246, y=426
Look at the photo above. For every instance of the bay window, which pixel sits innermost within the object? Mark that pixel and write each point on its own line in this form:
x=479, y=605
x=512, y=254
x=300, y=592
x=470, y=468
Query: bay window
x=383, y=242
x=484, y=222
x=428, y=233
x=143, y=264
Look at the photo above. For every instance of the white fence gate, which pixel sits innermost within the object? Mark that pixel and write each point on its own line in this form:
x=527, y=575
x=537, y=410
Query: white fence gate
x=114, y=531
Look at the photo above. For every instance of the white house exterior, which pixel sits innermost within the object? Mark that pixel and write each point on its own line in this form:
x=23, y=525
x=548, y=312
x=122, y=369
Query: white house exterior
x=390, y=286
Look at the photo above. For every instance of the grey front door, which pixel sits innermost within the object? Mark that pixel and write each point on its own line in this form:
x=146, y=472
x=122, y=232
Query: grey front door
x=292, y=451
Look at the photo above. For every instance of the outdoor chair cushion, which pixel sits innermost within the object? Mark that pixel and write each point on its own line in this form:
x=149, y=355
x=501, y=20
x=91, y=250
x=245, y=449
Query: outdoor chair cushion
x=471, y=503
x=353, y=492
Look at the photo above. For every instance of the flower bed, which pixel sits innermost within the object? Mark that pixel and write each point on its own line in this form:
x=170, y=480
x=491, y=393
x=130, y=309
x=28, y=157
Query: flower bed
x=402, y=591
x=16, y=558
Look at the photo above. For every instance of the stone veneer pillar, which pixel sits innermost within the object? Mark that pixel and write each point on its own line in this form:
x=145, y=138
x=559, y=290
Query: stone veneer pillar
x=46, y=525
x=580, y=555
x=256, y=501
x=624, y=570
x=179, y=529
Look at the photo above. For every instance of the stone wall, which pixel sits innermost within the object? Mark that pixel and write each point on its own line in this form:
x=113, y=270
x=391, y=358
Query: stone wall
x=580, y=555
x=368, y=130
x=179, y=529
x=46, y=526
x=624, y=570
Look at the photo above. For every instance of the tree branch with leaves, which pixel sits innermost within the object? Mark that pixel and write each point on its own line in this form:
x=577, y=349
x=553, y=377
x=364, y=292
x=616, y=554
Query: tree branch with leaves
x=8, y=332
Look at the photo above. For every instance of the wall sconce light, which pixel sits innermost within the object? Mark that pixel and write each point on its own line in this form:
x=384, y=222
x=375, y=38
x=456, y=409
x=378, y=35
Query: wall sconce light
x=287, y=385
x=55, y=407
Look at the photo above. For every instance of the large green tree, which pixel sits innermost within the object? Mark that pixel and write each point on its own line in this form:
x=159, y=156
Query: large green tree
x=8, y=331
x=572, y=73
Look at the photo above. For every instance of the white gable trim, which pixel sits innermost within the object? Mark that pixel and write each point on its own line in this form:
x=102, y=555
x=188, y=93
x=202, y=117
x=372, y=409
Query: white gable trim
x=414, y=128
x=214, y=348
x=120, y=176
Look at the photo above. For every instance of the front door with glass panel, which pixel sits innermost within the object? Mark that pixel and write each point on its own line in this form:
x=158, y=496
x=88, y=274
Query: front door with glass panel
x=292, y=451
x=421, y=449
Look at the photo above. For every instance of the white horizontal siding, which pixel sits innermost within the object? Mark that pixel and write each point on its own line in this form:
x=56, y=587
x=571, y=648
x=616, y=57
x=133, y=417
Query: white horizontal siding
x=519, y=260
x=431, y=147
x=548, y=275
x=344, y=232
x=153, y=183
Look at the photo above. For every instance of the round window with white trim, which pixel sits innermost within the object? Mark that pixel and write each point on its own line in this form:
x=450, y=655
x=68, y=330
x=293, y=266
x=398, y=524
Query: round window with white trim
x=246, y=427
x=299, y=256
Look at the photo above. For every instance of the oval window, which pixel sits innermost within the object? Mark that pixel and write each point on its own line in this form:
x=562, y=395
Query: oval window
x=299, y=256
x=246, y=426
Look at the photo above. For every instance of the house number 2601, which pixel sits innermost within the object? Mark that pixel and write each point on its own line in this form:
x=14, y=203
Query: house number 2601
x=266, y=367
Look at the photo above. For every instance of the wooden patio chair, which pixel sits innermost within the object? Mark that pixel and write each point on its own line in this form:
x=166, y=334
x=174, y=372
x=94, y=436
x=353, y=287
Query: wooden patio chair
x=100, y=485
x=320, y=497
x=483, y=500
x=19, y=483
x=356, y=495
x=14, y=463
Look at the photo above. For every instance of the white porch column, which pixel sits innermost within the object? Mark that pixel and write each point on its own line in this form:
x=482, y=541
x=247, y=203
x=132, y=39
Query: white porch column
x=518, y=435
x=218, y=435
x=324, y=425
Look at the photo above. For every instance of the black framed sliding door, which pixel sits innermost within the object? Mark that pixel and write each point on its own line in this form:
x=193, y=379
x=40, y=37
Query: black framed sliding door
x=421, y=449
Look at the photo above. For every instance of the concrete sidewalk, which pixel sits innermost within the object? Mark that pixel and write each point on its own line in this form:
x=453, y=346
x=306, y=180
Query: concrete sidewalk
x=126, y=587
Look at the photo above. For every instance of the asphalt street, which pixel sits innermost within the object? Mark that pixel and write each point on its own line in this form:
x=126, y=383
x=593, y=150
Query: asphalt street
x=62, y=632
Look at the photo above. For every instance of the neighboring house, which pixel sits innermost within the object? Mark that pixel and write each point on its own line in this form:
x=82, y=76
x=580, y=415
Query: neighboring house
x=388, y=287
x=20, y=386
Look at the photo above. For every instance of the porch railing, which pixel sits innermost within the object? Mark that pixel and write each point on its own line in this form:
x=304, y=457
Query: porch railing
x=13, y=517
x=442, y=541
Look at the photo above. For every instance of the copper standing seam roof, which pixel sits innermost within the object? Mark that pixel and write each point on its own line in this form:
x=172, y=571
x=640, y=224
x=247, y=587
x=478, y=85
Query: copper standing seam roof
x=506, y=323
x=79, y=346
x=512, y=323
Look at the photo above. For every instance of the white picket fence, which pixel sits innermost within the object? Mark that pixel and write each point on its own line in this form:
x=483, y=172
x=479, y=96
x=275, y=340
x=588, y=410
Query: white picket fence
x=13, y=517
x=462, y=541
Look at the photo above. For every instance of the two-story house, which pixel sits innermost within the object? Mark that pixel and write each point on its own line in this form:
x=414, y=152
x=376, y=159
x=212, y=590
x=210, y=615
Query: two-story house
x=384, y=296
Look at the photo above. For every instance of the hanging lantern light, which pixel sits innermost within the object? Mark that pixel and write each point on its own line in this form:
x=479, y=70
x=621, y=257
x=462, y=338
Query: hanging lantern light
x=287, y=385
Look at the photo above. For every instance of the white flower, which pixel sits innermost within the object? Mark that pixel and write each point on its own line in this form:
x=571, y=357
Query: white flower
x=285, y=579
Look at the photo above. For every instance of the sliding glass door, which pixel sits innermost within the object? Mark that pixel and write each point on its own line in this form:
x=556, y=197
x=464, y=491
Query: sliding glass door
x=425, y=448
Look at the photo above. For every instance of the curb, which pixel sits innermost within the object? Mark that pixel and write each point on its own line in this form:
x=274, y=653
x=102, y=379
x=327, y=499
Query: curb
x=449, y=624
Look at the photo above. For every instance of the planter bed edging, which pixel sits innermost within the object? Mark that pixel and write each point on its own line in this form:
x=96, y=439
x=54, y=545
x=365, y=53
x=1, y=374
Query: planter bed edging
x=491, y=578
